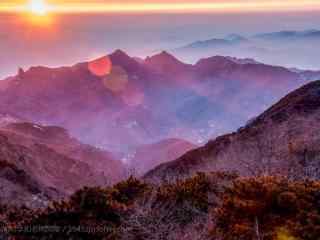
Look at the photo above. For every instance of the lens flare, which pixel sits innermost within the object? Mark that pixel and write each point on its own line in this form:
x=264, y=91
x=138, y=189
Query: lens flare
x=116, y=80
x=100, y=67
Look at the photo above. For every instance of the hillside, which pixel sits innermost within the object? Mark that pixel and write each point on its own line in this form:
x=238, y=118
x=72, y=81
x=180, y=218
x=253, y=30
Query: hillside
x=43, y=163
x=147, y=157
x=282, y=140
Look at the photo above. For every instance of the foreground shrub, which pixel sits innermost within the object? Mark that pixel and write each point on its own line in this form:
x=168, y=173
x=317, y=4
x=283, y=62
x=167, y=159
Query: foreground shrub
x=268, y=208
x=219, y=206
x=90, y=213
x=176, y=210
x=127, y=191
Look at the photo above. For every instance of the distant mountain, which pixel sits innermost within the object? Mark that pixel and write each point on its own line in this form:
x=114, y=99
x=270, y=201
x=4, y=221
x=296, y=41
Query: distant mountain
x=290, y=35
x=243, y=60
x=118, y=103
x=149, y=156
x=43, y=163
x=209, y=43
x=283, y=48
x=235, y=38
x=230, y=40
x=282, y=140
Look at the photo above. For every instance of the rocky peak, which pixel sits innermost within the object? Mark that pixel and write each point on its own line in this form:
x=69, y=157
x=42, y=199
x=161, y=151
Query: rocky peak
x=166, y=63
x=122, y=59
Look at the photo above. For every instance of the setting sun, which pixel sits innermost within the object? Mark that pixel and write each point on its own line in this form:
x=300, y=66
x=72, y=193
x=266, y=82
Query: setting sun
x=38, y=7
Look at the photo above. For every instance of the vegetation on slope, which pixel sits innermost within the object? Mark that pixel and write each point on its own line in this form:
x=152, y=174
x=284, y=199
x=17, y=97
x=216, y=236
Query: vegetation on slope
x=206, y=206
x=268, y=208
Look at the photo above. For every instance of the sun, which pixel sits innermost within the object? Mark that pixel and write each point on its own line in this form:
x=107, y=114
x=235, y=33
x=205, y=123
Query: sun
x=39, y=13
x=38, y=7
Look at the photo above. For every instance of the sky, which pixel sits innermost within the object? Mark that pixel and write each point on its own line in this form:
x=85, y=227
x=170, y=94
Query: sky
x=74, y=6
x=65, y=39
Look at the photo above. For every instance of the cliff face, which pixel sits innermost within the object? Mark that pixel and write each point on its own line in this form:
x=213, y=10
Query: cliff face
x=39, y=164
x=284, y=140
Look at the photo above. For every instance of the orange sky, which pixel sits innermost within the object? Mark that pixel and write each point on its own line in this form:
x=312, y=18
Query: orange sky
x=75, y=6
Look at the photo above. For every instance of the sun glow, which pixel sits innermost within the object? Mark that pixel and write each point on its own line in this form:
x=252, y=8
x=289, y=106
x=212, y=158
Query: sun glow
x=38, y=7
x=227, y=6
x=38, y=13
x=41, y=7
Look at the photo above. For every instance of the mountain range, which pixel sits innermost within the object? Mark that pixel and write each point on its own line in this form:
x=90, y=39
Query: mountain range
x=234, y=39
x=290, y=35
x=69, y=127
x=118, y=103
x=289, y=48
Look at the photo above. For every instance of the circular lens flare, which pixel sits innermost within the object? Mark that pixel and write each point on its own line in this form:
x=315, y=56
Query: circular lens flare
x=100, y=67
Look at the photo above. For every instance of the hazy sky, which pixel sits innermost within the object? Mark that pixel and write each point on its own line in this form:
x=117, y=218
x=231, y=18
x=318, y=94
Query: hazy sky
x=167, y=5
x=70, y=38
